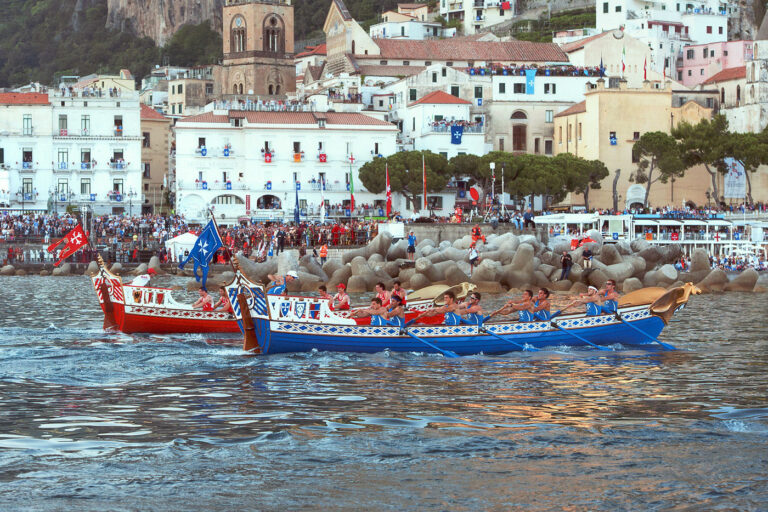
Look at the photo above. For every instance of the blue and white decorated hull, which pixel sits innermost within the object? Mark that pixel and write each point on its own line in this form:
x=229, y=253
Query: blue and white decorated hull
x=280, y=337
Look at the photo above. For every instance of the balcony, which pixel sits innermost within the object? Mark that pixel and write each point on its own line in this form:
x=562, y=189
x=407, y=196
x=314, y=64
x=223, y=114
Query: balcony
x=27, y=167
x=439, y=127
x=118, y=166
x=61, y=166
x=201, y=151
x=227, y=151
x=216, y=185
x=87, y=166
x=63, y=133
x=118, y=131
x=298, y=157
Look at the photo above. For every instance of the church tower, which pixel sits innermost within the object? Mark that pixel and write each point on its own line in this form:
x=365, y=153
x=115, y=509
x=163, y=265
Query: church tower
x=258, y=47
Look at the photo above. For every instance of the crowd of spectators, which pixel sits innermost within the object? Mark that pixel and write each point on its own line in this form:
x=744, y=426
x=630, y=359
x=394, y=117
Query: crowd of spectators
x=515, y=70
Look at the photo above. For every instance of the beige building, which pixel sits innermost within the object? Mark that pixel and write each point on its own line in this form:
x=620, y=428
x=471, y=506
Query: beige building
x=155, y=155
x=258, y=48
x=605, y=127
x=188, y=96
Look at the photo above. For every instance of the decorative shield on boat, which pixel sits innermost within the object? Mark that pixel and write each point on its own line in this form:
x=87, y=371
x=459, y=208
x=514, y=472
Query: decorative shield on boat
x=160, y=296
x=136, y=295
x=300, y=308
x=285, y=308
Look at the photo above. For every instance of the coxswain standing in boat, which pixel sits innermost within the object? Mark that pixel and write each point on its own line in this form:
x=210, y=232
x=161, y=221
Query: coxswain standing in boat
x=524, y=306
x=223, y=302
x=397, y=290
x=205, y=301
x=342, y=298
x=377, y=312
x=448, y=309
x=279, y=288
x=382, y=294
x=144, y=279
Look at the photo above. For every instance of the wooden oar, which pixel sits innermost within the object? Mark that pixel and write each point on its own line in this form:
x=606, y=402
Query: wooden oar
x=553, y=324
x=521, y=347
x=446, y=353
x=667, y=346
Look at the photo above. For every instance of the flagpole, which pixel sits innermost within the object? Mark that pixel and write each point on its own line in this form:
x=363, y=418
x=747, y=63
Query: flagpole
x=424, y=178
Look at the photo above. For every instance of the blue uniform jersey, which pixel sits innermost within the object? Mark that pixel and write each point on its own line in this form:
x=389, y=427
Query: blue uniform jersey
x=609, y=306
x=378, y=321
x=525, y=316
x=278, y=289
x=397, y=321
x=593, y=309
x=452, y=319
x=473, y=319
x=542, y=314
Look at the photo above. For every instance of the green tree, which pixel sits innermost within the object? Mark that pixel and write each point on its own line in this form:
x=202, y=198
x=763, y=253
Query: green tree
x=193, y=45
x=405, y=174
x=474, y=168
x=580, y=175
x=659, y=159
x=706, y=143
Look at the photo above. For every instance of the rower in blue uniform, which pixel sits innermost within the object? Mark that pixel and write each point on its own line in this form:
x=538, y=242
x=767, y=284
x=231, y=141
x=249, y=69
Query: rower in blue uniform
x=523, y=306
x=610, y=298
x=591, y=301
x=448, y=309
x=396, y=313
x=279, y=288
x=471, y=310
x=376, y=312
x=540, y=307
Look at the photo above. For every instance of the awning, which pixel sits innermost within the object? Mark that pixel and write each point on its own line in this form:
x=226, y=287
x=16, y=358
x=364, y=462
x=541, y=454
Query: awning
x=646, y=222
x=717, y=222
x=669, y=222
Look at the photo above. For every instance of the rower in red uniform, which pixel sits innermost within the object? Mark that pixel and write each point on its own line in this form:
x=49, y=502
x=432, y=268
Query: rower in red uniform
x=342, y=298
x=398, y=291
x=382, y=294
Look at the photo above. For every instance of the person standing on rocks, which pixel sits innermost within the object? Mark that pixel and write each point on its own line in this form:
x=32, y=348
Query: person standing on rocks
x=473, y=258
x=566, y=261
x=587, y=255
x=411, y=246
x=323, y=254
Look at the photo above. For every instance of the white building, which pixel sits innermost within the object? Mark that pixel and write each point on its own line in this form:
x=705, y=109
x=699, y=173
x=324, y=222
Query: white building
x=246, y=163
x=409, y=29
x=73, y=147
x=477, y=14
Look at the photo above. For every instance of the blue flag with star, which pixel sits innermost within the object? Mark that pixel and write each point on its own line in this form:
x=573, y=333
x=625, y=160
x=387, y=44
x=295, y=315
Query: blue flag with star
x=456, y=132
x=530, y=77
x=208, y=242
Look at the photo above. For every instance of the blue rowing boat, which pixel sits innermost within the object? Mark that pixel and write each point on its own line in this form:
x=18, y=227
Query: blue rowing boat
x=274, y=324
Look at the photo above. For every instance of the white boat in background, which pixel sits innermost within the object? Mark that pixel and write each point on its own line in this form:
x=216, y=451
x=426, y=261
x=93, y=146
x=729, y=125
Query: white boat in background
x=716, y=235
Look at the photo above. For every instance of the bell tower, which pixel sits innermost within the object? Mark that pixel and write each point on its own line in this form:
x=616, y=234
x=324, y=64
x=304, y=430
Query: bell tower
x=258, y=48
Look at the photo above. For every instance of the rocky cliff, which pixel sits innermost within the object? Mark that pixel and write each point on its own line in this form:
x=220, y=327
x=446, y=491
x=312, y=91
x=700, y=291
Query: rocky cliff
x=159, y=19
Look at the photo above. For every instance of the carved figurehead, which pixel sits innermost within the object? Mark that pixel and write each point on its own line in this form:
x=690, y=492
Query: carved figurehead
x=676, y=298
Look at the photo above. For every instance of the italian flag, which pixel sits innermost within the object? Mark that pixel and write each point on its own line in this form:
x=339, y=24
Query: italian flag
x=623, y=59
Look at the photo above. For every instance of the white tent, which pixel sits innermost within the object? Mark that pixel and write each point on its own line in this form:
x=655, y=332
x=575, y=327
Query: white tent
x=176, y=246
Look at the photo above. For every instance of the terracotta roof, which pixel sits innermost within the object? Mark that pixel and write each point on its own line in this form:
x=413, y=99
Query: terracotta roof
x=378, y=70
x=332, y=118
x=440, y=98
x=320, y=49
x=148, y=112
x=728, y=74
x=575, y=109
x=24, y=98
x=316, y=72
x=578, y=45
x=450, y=49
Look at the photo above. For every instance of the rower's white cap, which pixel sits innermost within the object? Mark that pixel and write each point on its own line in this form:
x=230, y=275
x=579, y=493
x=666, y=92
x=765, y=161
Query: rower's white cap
x=592, y=288
x=293, y=274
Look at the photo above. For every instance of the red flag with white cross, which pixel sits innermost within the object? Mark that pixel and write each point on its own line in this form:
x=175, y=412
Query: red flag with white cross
x=75, y=239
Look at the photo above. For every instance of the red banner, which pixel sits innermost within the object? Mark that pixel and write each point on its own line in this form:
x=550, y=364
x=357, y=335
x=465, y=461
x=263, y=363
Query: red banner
x=247, y=204
x=75, y=239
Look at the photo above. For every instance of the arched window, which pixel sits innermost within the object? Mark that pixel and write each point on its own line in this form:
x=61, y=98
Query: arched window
x=234, y=89
x=738, y=94
x=519, y=115
x=277, y=89
x=271, y=89
x=241, y=88
x=751, y=92
x=520, y=131
x=238, y=35
x=274, y=34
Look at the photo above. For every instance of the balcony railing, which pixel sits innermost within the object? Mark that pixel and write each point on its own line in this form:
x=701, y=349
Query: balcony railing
x=118, y=166
x=119, y=131
x=87, y=166
x=27, y=166
x=446, y=128
x=215, y=185
x=62, y=166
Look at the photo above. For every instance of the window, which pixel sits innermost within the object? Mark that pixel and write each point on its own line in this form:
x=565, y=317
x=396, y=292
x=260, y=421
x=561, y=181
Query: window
x=173, y=89
x=478, y=91
x=200, y=142
x=560, y=135
x=26, y=155
x=406, y=63
x=428, y=62
x=569, y=132
x=402, y=31
x=579, y=135
x=297, y=147
x=62, y=123
x=689, y=72
x=705, y=52
x=145, y=142
x=618, y=8
x=26, y=187
x=145, y=170
x=450, y=63
x=635, y=135
x=445, y=72
x=85, y=155
x=180, y=89
x=117, y=185
x=435, y=202
x=502, y=87
x=536, y=145
x=63, y=158
x=173, y=106
x=738, y=93
x=383, y=62
x=85, y=186
x=710, y=103
x=689, y=54
x=719, y=30
x=27, y=124
x=501, y=144
x=62, y=187
x=701, y=71
x=550, y=88
x=519, y=88
x=412, y=94
x=208, y=88
x=434, y=77
x=725, y=53
x=711, y=53
x=2, y=156
x=549, y=116
x=605, y=7
x=709, y=29
x=455, y=90
x=547, y=147
x=375, y=148
x=519, y=134
x=85, y=125
x=118, y=121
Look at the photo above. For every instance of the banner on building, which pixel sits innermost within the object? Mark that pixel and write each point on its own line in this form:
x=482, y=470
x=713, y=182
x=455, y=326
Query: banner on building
x=735, y=180
x=530, y=80
x=456, y=132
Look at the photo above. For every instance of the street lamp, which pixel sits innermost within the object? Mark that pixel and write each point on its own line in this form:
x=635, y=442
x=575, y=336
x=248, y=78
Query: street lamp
x=131, y=194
